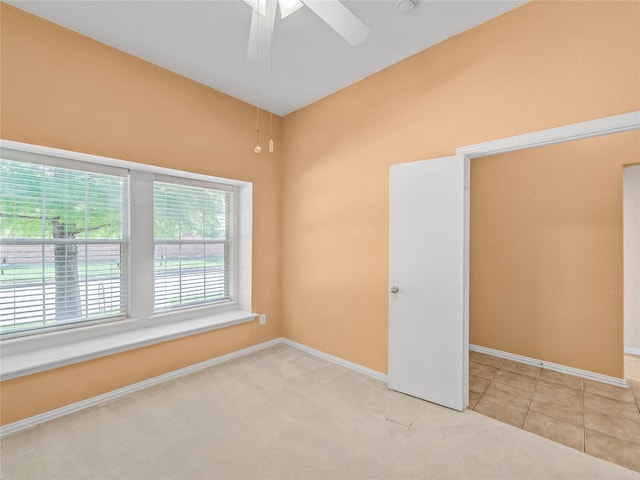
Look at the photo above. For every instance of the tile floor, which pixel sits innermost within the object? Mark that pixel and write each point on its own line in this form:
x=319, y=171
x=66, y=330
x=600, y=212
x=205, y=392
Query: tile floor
x=601, y=420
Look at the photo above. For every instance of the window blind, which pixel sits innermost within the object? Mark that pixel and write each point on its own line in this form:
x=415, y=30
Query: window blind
x=63, y=250
x=193, y=243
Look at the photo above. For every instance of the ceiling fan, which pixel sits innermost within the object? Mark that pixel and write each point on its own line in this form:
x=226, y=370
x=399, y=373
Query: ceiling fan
x=333, y=12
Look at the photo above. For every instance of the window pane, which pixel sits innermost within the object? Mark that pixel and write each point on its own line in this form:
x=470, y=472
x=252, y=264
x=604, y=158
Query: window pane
x=191, y=273
x=185, y=212
x=62, y=246
x=192, y=251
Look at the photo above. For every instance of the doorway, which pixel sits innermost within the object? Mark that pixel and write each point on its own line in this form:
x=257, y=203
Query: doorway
x=537, y=258
x=583, y=130
x=546, y=255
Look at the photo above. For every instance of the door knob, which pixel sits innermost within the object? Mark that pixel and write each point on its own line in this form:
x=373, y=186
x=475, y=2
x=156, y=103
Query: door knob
x=394, y=289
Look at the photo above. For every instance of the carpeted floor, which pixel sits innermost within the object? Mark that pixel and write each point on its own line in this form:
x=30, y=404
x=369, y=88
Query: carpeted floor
x=281, y=413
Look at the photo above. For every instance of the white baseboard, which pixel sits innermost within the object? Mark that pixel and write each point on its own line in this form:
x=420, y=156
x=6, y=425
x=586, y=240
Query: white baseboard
x=632, y=351
x=598, y=377
x=340, y=361
x=74, y=407
x=89, y=402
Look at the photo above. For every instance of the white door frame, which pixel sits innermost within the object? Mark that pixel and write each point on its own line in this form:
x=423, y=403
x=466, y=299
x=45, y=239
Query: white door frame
x=567, y=133
x=631, y=242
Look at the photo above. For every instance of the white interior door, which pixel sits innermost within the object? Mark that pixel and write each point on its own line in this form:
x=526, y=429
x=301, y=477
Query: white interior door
x=427, y=336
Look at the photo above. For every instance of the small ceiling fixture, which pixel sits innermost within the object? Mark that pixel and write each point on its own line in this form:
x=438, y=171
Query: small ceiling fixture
x=333, y=12
x=405, y=7
x=258, y=149
x=263, y=17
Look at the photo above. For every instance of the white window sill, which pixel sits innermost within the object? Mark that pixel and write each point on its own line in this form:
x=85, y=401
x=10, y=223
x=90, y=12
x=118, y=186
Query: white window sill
x=18, y=357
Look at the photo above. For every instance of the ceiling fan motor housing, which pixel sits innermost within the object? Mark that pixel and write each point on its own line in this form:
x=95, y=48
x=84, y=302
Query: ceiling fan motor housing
x=405, y=7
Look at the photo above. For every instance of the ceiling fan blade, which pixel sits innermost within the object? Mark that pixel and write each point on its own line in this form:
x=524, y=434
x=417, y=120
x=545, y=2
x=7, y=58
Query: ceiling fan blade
x=252, y=47
x=259, y=5
x=261, y=32
x=287, y=7
x=341, y=19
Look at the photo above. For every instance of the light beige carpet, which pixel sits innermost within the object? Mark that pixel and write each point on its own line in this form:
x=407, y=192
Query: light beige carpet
x=281, y=413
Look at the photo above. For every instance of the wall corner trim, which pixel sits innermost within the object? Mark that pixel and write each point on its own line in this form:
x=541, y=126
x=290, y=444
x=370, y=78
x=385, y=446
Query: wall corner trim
x=340, y=361
x=598, y=377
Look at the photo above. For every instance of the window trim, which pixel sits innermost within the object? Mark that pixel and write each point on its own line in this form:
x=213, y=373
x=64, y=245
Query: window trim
x=24, y=355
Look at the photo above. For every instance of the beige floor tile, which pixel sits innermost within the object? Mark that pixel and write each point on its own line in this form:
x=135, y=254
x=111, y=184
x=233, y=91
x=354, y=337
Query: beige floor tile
x=510, y=379
x=634, y=385
x=628, y=357
x=571, y=413
x=500, y=410
x=560, y=393
x=598, y=403
x=617, y=427
x=611, y=391
x=614, y=450
x=484, y=359
x=556, y=430
x=477, y=384
x=520, y=368
x=480, y=370
x=509, y=394
x=563, y=379
x=563, y=408
x=632, y=366
x=632, y=374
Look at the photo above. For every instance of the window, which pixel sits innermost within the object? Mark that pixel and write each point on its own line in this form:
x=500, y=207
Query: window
x=193, y=243
x=138, y=253
x=63, y=251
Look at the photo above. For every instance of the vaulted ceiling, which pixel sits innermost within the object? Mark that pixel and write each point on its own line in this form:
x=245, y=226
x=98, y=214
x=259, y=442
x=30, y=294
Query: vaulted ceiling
x=207, y=41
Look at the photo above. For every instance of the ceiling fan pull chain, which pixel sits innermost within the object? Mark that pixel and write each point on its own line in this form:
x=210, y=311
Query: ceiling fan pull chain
x=258, y=149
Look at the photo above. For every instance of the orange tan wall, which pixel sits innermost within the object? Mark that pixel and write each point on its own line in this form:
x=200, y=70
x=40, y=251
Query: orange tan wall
x=546, y=264
x=539, y=66
x=542, y=65
x=63, y=90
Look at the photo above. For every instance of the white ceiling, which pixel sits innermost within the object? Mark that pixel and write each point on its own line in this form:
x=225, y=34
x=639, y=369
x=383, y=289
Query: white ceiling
x=207, y=41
